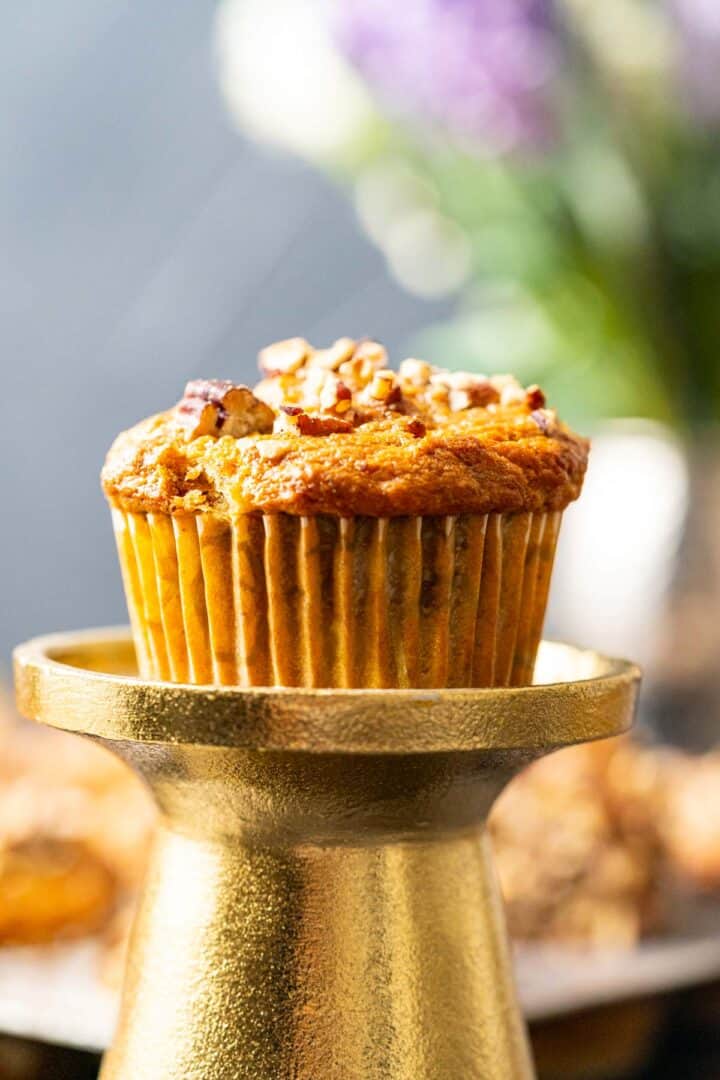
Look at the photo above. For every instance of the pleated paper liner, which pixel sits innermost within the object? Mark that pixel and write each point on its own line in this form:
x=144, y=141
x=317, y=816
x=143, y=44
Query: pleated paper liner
x=337, y=602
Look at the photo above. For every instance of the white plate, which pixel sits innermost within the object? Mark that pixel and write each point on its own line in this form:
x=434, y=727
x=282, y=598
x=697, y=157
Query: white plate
x=555, y=981
x=53, y=994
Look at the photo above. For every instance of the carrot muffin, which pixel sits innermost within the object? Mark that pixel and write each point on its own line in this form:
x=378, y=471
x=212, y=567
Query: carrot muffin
x=343, y=524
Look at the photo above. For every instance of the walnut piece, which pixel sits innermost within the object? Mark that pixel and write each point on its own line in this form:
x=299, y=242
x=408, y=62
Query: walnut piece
x=218, y=407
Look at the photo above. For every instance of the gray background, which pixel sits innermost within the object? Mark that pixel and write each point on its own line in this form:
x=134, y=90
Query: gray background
x=142, y=242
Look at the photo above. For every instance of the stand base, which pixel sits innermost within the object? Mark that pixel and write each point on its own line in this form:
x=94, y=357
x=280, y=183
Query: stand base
x=332, y=963
x=321, y=903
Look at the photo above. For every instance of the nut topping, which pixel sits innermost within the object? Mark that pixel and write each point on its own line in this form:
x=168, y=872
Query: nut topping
x=331, y=358
x=383, y=388
x=345, y=386
x=292, y=419
x=218, y=407
x=479, y=394
x=280, y=390
x=544, y=419
x=510, y=390
x=416, y=427
x=367, y=358
x=335, y=396
x=534, y=398
x=284, y=357
x=462, y=390
x=372, y=352
x=415, y=372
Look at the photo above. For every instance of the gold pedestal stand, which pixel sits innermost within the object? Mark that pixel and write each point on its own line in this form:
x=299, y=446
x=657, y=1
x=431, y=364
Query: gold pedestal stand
x=320, y=903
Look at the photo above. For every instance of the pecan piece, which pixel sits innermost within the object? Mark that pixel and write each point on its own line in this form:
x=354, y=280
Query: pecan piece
x=294, y=419
x=543, y=418
x=279, y=390
x=367, y=358
x=371, y=351
x=284, y=357
x=416, y=427
x=335, y=396
x=465, y=390
x=509, y=389
x=332, y=357
x=481, y=394
x=383, y=389
x=414, y=375
x=534, y=398
x=218, y=407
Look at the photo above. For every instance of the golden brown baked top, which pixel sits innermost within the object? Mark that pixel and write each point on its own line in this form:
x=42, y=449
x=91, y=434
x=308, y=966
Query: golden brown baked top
x=335, y=431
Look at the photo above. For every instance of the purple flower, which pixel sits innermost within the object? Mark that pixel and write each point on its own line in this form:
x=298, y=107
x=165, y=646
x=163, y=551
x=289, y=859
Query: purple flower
x=699, y=25
x=479, y=68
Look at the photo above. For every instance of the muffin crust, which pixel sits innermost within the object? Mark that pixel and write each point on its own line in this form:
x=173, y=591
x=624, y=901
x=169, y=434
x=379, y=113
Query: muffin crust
x=335, y=431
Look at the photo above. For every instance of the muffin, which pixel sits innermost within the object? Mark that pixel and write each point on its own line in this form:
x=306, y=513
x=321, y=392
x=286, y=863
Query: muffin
x=342, y=524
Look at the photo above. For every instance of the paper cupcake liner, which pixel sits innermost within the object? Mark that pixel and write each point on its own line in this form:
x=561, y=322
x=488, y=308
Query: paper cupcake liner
x=337, y=602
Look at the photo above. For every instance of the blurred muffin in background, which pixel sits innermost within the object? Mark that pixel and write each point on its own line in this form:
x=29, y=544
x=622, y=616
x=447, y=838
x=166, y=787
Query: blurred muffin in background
x=579, y=856
x=75, y=826
x=691, y=827
x=595, y=845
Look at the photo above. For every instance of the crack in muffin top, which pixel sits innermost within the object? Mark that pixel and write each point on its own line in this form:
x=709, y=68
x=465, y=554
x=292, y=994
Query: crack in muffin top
x=336, y=431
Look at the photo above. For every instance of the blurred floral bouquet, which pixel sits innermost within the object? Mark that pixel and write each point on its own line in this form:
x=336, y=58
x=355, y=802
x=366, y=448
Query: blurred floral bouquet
x=555, y=166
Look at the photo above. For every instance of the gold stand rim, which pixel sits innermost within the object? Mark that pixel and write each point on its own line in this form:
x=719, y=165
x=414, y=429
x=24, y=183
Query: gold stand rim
x=83, y=682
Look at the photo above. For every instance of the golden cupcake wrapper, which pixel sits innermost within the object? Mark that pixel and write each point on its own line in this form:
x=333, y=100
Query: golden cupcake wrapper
x=337, y=602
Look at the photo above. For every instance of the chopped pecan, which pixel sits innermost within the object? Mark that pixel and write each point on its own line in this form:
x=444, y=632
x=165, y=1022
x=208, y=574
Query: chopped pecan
x=372, y=351
x=416, y=427
x=543, y=418
x=279, y=390
x=356, y=373
x=332, y=357
x=219, y=407
x=415, y=377
x=335, y=396
x=534, y=398
x=293, y=419
x=284, y=357
x=509, y=389
x=465, y=390
x=382, y=389
x=414, y=371
x=367, y=358
x=480, y=394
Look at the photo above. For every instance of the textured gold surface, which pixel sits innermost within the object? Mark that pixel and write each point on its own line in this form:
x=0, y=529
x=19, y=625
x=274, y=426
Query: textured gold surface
x=320, y=904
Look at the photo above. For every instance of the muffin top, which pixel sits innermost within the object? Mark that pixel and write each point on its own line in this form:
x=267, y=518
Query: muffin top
x=335, y=431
